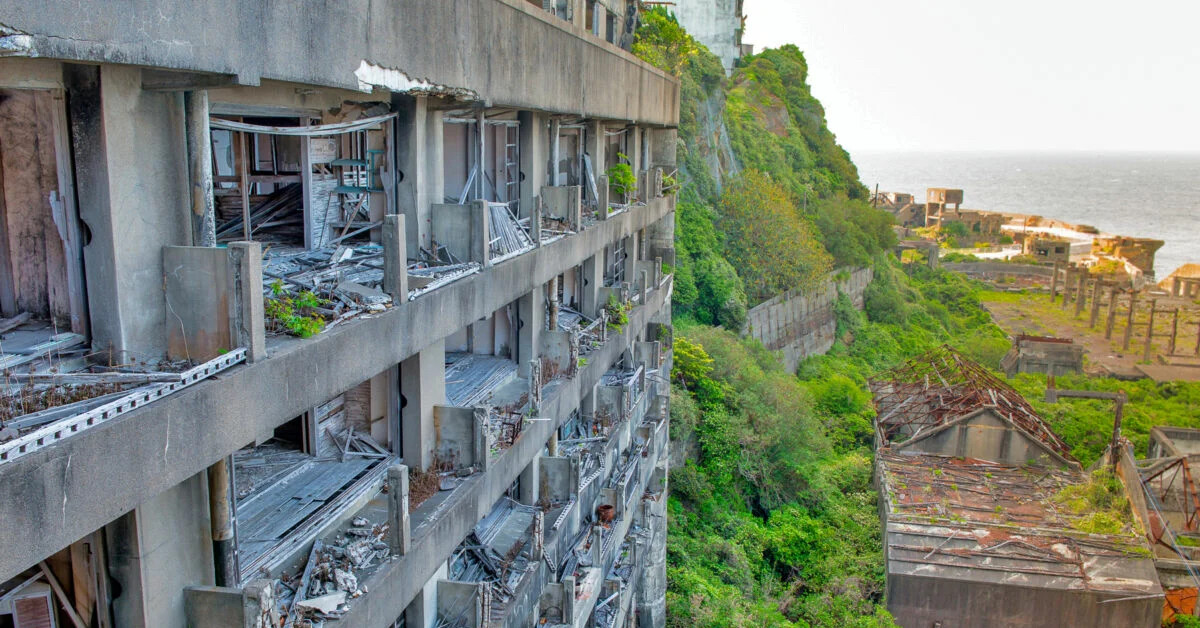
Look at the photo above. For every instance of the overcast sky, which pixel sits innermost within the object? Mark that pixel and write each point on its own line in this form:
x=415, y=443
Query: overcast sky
x=1013, y=75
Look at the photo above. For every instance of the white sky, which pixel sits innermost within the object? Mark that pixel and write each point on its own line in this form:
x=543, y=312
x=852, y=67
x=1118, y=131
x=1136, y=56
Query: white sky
x=1011, y=75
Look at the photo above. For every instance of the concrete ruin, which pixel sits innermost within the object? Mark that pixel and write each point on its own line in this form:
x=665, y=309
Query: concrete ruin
x=354, y=270
x=718, y=24
x=1040, y=354
x=967, y=474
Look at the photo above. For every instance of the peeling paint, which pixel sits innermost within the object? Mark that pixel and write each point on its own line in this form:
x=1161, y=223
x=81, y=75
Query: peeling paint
x=371, y=76
x=14, y=42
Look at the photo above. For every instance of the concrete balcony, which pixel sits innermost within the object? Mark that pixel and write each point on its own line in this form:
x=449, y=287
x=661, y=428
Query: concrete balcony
x=177, y=437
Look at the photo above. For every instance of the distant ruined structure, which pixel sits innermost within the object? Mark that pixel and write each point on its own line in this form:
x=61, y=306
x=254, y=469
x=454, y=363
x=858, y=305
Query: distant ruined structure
x=718, y=24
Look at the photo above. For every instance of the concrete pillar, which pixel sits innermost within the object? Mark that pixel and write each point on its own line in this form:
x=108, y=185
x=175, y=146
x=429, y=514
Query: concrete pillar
x=591, y=280
x=199, y=143
x=596, y=144
x=480, y=233
x=535, y=221
x=395, y=258
x=220, y=514
x=1081, y=291
x=528, y=493
x=555, y=156
x=258, y=604
x=552, y=445
x=422, y=385
x=602, y=199
x=157, y=550
x=1054, y=282
x=531, y=312
x=400, y=537
x=664, y=147
x=552, y=304
x=534, y=145
x=1095, y=313
x=636, y=159
x=419, y=165
x=247, y=317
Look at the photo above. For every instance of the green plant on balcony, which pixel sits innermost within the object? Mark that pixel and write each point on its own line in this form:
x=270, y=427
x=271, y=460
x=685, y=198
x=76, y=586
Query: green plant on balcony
x=294, y=314
x=621, y=179
x=618, y=313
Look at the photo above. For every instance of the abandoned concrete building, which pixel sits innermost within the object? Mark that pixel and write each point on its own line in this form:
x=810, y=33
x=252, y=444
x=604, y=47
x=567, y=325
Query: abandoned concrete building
x=968, y=477
x=331, y=316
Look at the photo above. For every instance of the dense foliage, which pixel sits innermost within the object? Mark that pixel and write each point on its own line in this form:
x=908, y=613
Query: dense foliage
x=772, y=518
x=784, y=181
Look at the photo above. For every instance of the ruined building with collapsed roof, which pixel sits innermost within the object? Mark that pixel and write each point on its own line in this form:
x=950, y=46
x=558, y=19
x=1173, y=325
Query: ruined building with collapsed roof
x=983, y=523
x=329, y=314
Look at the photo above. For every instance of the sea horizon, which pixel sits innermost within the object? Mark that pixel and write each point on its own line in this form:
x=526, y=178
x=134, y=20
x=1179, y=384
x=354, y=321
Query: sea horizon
x=1147, y=194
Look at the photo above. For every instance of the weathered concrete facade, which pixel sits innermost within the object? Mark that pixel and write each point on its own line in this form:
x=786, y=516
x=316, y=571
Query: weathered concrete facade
x=715, y=23
x=469, y=386
x=800, y=323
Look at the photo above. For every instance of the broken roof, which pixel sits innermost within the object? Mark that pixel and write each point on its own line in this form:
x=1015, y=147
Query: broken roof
x=943, y=385
x=966, y=519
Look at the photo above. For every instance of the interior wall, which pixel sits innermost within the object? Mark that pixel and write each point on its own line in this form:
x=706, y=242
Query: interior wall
x=456, y=158
x=35, y=262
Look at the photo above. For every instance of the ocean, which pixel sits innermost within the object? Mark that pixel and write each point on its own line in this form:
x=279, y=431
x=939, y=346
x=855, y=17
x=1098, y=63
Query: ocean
x=1135, y=194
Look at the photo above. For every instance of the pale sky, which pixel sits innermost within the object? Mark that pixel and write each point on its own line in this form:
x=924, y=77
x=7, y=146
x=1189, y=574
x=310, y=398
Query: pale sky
x=1010, y=75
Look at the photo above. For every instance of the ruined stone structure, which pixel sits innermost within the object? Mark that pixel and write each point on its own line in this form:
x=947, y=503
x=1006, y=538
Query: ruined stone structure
x=717, y=24
x=967, y=474
x=1034, y=354
x=800, y=323
x=339, y=315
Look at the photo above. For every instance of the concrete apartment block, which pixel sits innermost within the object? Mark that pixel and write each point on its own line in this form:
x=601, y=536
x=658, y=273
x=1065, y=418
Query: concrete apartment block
x=316, y=303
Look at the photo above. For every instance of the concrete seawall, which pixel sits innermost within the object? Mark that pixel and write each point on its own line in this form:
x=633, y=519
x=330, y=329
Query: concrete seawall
x=800, y=323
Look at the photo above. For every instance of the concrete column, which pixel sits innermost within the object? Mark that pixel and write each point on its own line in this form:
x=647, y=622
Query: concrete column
x=591, y=279
x=258, y=605
x=422, y=385
x=535, y=221
x=418, y=165
x=531, y=310
x=247, y=317
x=1095, y=314
x=596, y=144
x=636, y=158
x=552, y=304
x=480, y=233
x=664, y=147
x=395, y=258
x=528, y=493
x=220, y=514
x=533, y=158
x=552, y=445
x=157, y=550
x=1081, y=291
x=602, y=199
x=400, y=538
x=199, y=143
x=555, y=157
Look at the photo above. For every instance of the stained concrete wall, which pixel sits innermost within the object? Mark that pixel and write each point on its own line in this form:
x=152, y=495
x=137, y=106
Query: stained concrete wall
x=489, y=50
x=801, y=323
x=917, y=601
x=714, y=23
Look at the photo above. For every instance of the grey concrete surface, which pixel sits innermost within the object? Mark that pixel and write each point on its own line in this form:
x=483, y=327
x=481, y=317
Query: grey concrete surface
x=448, y=47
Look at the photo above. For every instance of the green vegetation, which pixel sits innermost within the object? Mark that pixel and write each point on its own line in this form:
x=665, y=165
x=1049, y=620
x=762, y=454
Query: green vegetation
x=621, y=178
x=772, y=518
x=294, y=314
x=1099, y=503
x=618, y=313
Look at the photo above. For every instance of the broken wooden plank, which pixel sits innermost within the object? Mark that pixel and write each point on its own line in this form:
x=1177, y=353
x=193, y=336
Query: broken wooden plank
x=95, y=378
x=63, y=600
x=302, y=591
x=9, y=324
x=57, y=342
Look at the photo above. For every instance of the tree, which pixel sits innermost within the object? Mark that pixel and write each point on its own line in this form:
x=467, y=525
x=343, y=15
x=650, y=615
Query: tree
x=772, y=247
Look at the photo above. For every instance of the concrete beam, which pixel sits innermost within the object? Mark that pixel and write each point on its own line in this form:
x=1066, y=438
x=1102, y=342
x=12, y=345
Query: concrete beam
x=55, y=496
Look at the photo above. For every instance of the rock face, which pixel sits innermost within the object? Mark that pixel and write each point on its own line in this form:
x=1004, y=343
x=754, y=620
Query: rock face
x=802, y=323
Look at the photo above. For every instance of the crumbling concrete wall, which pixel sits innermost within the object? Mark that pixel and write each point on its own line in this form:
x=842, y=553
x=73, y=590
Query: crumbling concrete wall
x=801, y=323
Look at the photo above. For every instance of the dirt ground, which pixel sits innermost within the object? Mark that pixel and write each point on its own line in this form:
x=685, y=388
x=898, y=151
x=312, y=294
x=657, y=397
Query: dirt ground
x=1034, y=314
